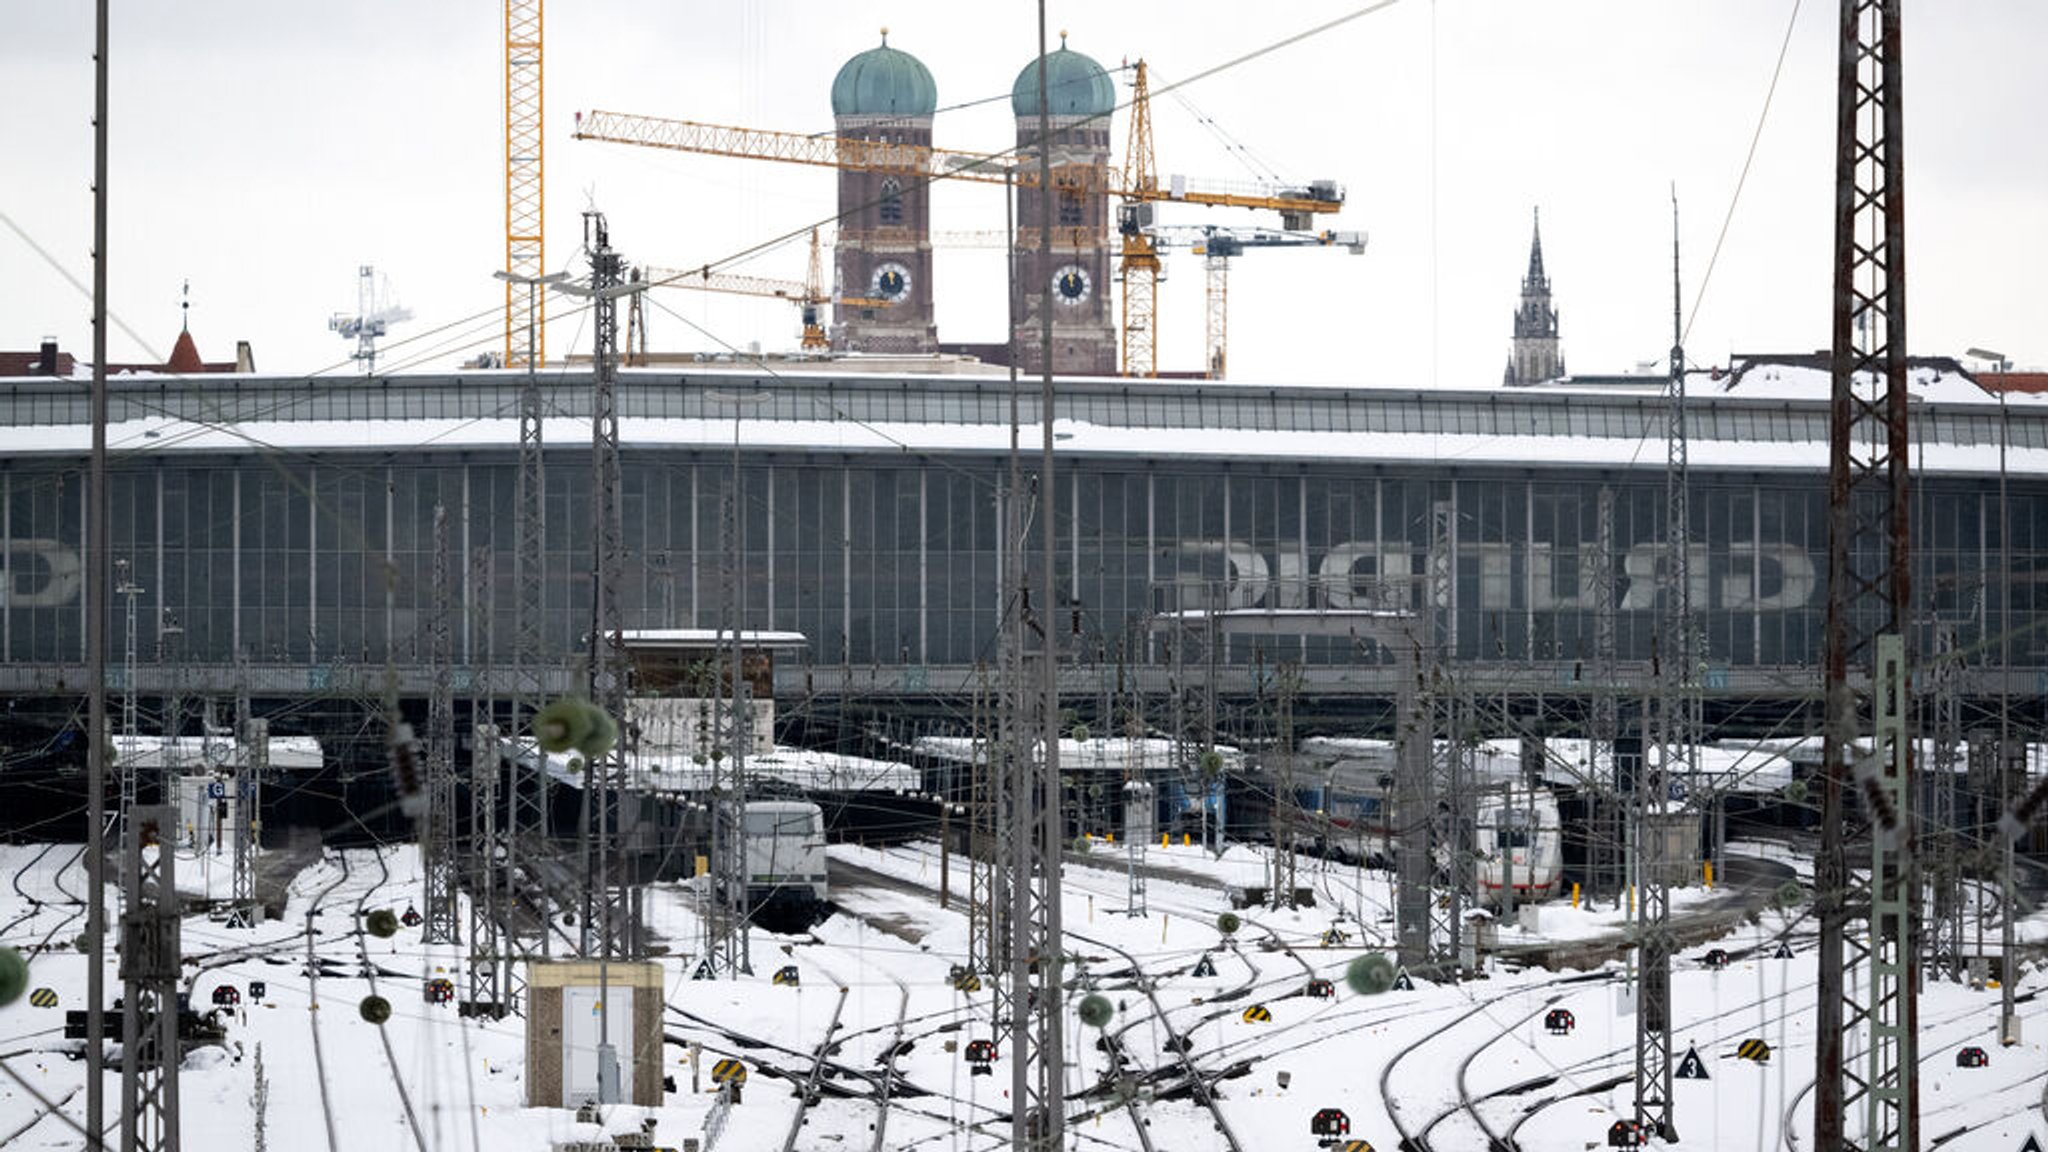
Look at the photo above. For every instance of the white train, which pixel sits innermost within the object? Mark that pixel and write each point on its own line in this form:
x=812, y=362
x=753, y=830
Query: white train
x=1516, y=840
x=785, y=850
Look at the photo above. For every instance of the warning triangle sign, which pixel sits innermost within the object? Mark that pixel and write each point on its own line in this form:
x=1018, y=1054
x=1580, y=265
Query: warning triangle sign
x=1401, y=981
x=703, y=971
x=1205, y=966
x=2033, y=1144
x=1784, y=951
x=1692, y=1067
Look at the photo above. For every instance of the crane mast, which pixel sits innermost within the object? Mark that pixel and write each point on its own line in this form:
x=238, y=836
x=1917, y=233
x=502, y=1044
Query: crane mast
x=1138, y=261
x=525, y=251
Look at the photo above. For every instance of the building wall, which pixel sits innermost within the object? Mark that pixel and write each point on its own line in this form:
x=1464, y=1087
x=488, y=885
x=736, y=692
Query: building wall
x=893, y=561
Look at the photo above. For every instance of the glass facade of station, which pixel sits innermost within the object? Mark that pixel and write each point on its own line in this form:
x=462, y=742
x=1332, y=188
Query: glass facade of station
x=899, y=560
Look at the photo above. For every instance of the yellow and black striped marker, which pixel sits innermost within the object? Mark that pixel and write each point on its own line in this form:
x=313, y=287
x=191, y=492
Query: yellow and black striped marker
x=43, y=998
x=1755, y=1050
x=728, y=1072
x=1354, y=1146
x=967, y=982
x=787, y=975
x=1257, y=1014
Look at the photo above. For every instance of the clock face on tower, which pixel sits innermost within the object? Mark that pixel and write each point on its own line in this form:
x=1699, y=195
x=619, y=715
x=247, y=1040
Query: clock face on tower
x=1071, y=285
x=891, y=282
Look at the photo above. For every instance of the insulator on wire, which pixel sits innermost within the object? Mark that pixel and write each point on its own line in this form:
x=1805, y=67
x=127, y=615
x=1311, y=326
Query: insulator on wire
x=1884, y=819
x=405, y=770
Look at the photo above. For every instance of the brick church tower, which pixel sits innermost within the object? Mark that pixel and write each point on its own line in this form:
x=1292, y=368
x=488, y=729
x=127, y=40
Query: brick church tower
x=1084, y=335
x=884, y=249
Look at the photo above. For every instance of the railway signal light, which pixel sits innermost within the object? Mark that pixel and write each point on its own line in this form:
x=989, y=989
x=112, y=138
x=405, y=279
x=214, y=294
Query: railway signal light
x=1972, y=1057
x=1559, y=1022
x=1627, y=1134
x=981, y=1054
x=1329, y=1122
x=374, y=1009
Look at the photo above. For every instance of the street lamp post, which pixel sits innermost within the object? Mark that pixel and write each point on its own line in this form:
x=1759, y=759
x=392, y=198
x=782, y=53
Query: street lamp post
x=730, y=869
x=2008, y=1021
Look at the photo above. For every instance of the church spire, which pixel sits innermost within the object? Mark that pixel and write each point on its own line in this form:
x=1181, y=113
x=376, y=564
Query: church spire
x=1536, y=279
x=1535, y=357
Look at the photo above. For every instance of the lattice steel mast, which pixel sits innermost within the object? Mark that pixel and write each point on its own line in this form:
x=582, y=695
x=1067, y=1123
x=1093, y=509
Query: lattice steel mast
x=1869, y=607
x=150, y=956
x=1676, y=738
x=606, y=898
x=1037, y=1013
x=489, y=977
x=1605, y=844
x=440, y=851
x=244, y=910
x=527, y=839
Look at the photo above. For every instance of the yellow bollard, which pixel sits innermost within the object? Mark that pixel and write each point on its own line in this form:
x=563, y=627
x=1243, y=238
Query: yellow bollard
x=1709, y=866
x=1183, y=839
x=1575, y=894
x=1110, y=837
x=1631, y=899
x=1162, y=839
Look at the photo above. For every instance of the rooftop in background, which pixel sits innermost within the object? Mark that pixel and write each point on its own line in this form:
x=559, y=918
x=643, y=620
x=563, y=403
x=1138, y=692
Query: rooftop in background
x=48, y=360
x=2013, y=381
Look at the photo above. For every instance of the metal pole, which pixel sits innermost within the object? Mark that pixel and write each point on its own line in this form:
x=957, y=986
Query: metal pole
x=95, y=621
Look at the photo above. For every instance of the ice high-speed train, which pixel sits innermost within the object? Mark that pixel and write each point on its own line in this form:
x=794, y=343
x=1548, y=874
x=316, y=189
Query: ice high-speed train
x=1516, y=841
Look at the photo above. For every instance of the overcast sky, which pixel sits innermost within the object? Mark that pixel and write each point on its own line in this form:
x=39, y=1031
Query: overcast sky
x=263, y=151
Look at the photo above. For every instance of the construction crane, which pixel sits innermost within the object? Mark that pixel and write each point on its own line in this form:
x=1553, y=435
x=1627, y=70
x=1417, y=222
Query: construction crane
x=525, y=252
x=808, y=296
x=370, y=320
x=1216, y=245
x=1137, y=184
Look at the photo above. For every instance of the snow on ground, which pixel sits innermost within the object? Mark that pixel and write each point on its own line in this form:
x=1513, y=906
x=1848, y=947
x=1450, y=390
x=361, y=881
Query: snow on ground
x=1412, y=1057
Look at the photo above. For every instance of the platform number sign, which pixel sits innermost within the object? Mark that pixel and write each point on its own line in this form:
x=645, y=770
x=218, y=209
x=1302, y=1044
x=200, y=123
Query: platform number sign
x=1205, y=966
x=1692, y=1067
